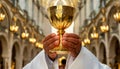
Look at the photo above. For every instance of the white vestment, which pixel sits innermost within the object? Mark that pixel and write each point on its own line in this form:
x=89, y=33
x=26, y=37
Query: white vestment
x=85, y=60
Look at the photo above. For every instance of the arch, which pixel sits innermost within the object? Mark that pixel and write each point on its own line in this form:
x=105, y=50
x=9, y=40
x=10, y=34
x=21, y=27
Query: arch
x=28, y=29
x=3, y=49
x=93, y=50
x=25, y=55
x=19, y=23
x=28, y=26
x=18, y=45
x=113, y=36
x=15, y=54
x=13, y=59
x=90, y=31
x=99, y=24
x=1, y=58
x=101, y=34
x=102, y=53
x=7, y=21
x=111, y=21
x=4, y=28
x=34, y=52
x=4, y=43
x=114, y=52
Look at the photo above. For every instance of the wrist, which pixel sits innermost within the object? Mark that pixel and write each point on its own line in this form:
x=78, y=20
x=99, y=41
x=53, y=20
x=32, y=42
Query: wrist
x=76, y=52
x=52, y=59
x=52, y=56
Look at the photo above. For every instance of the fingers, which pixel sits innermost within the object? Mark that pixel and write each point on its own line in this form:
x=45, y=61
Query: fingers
x=74, y=49
x=70, y=46
x=72, y=43
x=50, y=42
x=53, y=45
x=72, y=40
x=71, y=35
x=49, y=36
x=67, y=44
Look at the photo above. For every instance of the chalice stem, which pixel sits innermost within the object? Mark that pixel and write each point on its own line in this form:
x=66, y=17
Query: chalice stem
x=61, y=32
x=60, y=45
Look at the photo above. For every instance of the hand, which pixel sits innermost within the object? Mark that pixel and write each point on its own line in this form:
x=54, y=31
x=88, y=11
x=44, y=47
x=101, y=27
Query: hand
x=72, y=43
x=50, y=42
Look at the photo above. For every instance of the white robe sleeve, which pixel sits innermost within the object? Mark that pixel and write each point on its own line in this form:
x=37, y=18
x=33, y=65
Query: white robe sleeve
x=38, y=62
x=85, y=60
x=51, y=64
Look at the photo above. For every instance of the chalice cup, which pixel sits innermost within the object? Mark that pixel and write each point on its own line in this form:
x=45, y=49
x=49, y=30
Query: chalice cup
x=61, y=15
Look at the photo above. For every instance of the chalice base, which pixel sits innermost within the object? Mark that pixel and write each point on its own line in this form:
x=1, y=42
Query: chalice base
x=60, y=51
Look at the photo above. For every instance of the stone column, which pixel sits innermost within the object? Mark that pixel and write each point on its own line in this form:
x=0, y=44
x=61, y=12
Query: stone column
x=97, y=48
x=111, y=62
x=5, y=63
x=119, y=30
x=6, y=58
x=27, y=58
x=18, y=62
x=107, y=47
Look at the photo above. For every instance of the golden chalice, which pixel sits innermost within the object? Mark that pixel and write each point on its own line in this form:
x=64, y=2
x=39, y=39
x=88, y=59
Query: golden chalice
x=61, y=14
